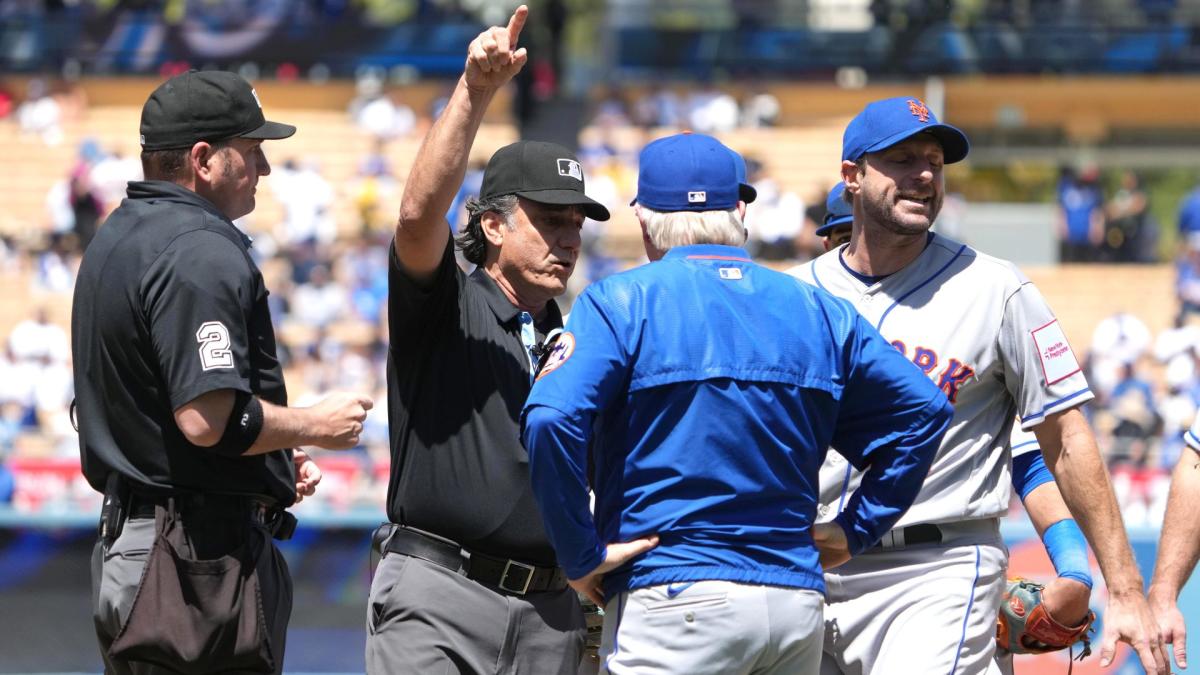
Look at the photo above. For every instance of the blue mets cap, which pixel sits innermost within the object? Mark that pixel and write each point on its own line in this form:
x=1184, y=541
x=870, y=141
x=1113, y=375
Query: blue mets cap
x=885, y=123
x=837, y=211
x=688, y=172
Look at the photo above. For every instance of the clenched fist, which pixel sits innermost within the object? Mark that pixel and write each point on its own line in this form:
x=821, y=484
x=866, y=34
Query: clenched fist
x=338, y=419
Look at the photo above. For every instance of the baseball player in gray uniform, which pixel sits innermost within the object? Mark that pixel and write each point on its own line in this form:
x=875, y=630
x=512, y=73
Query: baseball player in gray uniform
x=926, y=599
x=1066, y=597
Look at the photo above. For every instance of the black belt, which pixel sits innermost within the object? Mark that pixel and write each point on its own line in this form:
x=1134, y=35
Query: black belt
x=909, y=536
x=260, y=510
x=511, y=576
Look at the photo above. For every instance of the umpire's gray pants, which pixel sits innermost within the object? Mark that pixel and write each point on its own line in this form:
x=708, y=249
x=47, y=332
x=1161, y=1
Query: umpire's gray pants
x=117, y=573
x=423, y=618
x=713, y=627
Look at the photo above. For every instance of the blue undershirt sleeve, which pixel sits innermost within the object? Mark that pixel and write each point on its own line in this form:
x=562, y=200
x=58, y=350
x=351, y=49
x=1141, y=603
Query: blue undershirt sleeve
x=1028, y=472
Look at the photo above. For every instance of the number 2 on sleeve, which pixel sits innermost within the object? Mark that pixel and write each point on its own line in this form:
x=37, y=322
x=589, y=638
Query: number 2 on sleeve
x=214, y=345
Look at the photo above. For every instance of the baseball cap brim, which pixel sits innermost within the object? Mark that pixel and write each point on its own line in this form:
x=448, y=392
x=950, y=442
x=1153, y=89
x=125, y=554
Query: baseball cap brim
x=747, y=193
x=270, y=131
x=826, y=229
x=591, y=208
x=955, y=145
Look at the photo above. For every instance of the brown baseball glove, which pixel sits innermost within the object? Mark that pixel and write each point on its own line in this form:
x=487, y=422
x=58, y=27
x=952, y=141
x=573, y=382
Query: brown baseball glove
x=1026, y=627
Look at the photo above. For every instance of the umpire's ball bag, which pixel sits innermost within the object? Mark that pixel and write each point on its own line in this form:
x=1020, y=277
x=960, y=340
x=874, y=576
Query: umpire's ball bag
x=197, y=616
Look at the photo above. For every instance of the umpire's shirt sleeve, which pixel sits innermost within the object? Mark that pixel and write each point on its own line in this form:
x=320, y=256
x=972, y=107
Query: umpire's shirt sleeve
x=196, y=297
x=890, y=424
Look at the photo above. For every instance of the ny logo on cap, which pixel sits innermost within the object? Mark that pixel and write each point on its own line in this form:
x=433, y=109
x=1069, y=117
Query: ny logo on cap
x=569, y=167
x=918, y=110
x=697, y=197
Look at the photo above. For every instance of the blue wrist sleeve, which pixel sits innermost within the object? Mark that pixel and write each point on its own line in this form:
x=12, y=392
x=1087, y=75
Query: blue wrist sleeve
x=1068, y=551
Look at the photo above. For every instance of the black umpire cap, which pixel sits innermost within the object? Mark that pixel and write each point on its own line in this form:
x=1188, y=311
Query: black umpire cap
x=205, y=106
x=546, y=173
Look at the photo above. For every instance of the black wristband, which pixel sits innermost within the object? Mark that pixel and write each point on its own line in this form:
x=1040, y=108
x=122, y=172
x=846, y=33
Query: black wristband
x=242, y=429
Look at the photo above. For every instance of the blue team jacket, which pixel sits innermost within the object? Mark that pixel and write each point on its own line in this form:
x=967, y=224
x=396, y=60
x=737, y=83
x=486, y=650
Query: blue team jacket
x=708, y=389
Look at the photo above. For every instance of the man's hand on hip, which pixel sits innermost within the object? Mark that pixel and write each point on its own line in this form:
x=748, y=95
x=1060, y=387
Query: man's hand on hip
x=617, y=554
x=831, y=541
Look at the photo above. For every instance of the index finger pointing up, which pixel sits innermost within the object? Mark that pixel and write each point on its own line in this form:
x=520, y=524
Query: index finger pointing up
x=515, y=24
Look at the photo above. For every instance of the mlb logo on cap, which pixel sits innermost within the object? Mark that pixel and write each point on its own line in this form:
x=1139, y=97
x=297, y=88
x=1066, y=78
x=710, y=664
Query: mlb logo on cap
x=569, y=167
x=697, y=197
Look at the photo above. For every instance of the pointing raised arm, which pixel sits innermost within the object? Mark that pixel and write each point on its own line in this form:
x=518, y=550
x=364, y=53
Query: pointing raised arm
x=441, y=163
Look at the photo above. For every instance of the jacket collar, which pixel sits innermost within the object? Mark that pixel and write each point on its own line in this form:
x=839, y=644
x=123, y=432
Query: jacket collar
x=708, y=252
x=162, y=190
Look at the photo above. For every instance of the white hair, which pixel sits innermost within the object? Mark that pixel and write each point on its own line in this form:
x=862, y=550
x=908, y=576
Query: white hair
x=685, y=228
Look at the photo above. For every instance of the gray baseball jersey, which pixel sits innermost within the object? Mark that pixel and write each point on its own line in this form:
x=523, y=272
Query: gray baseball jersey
x=982, y=331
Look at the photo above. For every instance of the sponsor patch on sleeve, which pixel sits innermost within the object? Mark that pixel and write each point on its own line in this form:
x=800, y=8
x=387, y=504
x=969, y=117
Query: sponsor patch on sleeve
x=1058, y=361
x=559, y=355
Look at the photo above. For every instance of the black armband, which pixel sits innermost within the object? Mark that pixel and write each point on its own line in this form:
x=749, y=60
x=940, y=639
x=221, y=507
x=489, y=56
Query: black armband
x=242, y=429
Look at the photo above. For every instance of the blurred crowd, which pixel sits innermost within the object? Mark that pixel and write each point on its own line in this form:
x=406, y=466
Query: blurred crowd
x=1099, y=226
x=1147, y=394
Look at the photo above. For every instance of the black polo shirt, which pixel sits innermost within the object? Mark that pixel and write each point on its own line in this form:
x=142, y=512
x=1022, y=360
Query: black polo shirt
x=168, y=306
x=458, y=376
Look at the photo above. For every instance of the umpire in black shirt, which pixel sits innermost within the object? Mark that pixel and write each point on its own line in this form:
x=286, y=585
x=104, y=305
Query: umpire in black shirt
x=468, y=582
x=182, y=409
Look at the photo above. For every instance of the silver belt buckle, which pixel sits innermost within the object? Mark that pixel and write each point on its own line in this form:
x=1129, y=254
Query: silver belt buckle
x=524, y=588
